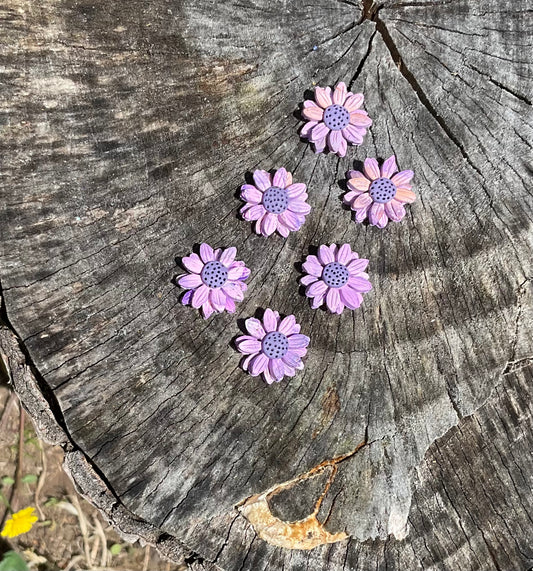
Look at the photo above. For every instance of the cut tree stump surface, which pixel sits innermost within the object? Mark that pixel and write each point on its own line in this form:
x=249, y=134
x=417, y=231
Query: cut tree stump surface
x=127, y=130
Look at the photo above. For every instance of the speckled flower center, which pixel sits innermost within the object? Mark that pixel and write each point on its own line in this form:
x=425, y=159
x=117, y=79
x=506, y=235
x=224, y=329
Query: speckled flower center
x=275, y=200
x=382, y=190
x=275, y=345
x=335, y=275
x=336, y=117
x=214, y=274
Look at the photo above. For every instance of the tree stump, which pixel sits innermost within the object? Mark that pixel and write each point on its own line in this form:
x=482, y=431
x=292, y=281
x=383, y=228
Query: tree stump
x=128, y=128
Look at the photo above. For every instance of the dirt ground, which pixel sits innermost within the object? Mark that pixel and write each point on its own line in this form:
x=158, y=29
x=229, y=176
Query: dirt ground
x=70, y=533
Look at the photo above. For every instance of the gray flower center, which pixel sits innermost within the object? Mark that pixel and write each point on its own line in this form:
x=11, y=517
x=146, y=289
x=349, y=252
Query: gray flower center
x=382, y=190
x=214, y=274
x=275, y=200
x=275, y=345
x=335, y=275
x=336, y=117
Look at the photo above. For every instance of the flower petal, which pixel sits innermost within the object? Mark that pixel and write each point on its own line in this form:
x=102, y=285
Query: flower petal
x=322, y=97
x=298, y=341
x=255, y=327
x=262, y=180
x=306, y=129
x=357, y=266
x=333, y=300
x=317, y=301
x=233, y=291
x=317, y=288
x=312, y=266
x=371, y=169
x=353, y=102
x=270, y=321
x=258, y=364
x=227, y=256
x=361, y=213
x=280, y=178
x=291, y=220
x=207, y=309
x=394, y=210
x=189, y=281
x=193, y=263
x=313, y=113
x=319, y=132
x=298, y=206
x=334, y=140
x=186, y=298
x=254, y=212
x=377, y=216
x=283, y=229
x=344, y=254
x=268, y=377
x=325, y=256
x=343, y=147
x=358, y=181
x=296, y=189
x=269, y=224
x=320, y=145
x=248, y=345
x=388, y=168
x=199, y=297
x=286, y=325
x=353, y=134
x=237, y=272
x=308, y=280
x=250, y=193
x=350, y=297
x=277, y=369
x=218, y=299
x=360, y=118
x=349, y=197
x=292, y=359
x=404, y=195
x=402, y=178
x=359, y=284
x=207, y=253
x=245, y=363
x=362, y=201
x=340, y=93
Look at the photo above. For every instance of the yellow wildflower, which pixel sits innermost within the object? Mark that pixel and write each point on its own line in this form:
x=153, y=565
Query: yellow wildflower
x=19, y=523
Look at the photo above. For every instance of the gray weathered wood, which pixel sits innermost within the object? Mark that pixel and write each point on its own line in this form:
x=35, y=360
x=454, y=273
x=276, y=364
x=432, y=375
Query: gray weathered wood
x=126, y=130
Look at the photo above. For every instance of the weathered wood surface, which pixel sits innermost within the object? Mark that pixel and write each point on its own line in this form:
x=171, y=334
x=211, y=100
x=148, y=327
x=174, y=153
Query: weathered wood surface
x=126, y=130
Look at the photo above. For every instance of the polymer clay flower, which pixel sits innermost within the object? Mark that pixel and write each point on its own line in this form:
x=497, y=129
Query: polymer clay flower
x=379, y=194
x=275, y=203
x=215, y=280
x=337, y=277
x=335, y=119
x=274, y=347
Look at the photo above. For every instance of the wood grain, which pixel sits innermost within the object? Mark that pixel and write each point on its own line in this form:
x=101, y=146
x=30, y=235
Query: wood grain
x=126, y=132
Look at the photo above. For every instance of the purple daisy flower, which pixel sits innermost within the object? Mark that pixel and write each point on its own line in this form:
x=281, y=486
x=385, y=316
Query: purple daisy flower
x=379, y=193
x=274, y=347
x=275, y=203
x=337, y=276
x=215, y=280
x=335, y=119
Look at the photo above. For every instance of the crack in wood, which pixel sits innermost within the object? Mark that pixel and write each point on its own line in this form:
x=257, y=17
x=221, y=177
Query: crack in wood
x=306, y=533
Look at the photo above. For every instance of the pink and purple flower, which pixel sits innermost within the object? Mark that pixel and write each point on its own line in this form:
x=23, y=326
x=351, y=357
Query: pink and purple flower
x=275, y=203
x=274, y=347
x=215, y=280
x=337, y=277
x=335, y=119
x=378, y=193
